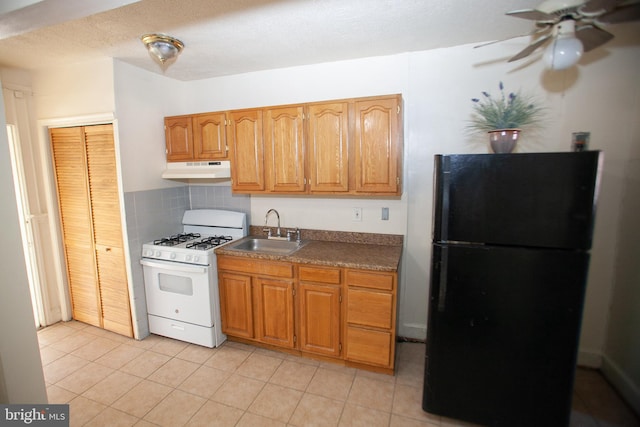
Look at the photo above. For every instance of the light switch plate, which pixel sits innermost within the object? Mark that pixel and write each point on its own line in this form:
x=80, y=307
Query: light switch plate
x=385, y=214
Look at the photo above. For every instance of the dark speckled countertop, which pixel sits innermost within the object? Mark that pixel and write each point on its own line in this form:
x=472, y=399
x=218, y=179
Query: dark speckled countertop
x=381, y=252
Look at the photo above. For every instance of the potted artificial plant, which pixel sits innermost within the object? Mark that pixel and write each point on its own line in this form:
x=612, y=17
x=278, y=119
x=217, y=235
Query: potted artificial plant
x=504, y=117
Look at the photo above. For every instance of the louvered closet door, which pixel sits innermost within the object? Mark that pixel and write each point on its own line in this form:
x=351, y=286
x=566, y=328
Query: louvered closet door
x=107, y=229
x=73, y=196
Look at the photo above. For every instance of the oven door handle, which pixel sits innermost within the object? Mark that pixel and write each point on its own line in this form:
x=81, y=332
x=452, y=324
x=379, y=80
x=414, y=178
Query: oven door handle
x=174, y=266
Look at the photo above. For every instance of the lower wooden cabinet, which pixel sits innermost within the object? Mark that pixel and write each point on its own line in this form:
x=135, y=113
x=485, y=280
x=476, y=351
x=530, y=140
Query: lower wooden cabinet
x=256, y=300
x=370, y=346
x=371, y=317
x=236, y=304
x=319, y=311
x=273, y=306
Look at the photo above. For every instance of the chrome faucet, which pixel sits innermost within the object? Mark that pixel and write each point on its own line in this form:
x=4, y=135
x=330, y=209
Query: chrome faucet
x=266, y=217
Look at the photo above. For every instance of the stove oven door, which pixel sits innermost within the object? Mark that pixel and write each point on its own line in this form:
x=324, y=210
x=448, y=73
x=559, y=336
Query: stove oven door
x=179, y=291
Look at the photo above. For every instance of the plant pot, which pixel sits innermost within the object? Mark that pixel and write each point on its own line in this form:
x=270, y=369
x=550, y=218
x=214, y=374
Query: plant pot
x=503, y=140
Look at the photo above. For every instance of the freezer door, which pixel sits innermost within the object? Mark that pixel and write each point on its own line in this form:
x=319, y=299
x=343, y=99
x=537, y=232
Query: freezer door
x=503, y=334
x=537, y=199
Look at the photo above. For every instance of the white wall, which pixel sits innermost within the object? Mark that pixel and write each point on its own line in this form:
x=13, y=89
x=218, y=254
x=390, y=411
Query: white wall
x=21, y=377
x=78, y=90
x=143, y=100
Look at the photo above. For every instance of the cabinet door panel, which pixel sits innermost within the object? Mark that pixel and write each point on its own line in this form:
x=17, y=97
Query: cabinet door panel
x=274, y=310
x=369, y=346
x=209, y=136
x=236, y=304
x=255, y=266
x=319, y=307
x=376, y=146
x=370, y=308
x=246, y=150
x=178, y=132
x=374, y=280
x=319, y=274
x=328, y=147
x=284, y=149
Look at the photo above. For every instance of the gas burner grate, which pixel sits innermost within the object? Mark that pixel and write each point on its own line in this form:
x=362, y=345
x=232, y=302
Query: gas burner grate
x=176, y=239
x=209, y=242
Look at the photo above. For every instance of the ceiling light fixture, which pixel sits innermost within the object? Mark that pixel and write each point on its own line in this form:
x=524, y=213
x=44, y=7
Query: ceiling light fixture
x=162, y=48
x=566, y=49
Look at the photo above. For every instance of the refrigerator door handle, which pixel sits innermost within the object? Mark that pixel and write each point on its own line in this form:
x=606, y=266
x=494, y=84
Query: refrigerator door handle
x=442, y=288
x=446, y=184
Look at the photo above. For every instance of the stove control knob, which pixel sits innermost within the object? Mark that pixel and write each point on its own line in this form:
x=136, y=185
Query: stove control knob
x=158, y=253
x=172, y=256
x=148, y=252
x=196, y=258
x=188, y=258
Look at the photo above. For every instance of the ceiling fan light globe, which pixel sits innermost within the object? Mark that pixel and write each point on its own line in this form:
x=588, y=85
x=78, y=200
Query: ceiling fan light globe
x=564, y=52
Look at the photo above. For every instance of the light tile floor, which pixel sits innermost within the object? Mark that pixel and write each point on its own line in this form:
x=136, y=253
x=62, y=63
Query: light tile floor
x=110, y=380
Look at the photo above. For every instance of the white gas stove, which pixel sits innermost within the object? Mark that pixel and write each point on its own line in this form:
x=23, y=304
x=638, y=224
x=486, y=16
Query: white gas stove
x=181, y=280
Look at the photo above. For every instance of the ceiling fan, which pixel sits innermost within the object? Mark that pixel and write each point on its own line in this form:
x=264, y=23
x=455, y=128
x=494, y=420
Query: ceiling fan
x=572, y=27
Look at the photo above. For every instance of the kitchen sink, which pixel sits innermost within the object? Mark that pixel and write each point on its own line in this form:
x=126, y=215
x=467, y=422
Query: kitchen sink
x=267, y=246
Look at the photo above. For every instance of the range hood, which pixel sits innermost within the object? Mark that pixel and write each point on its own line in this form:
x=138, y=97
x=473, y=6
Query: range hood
x=218, y=169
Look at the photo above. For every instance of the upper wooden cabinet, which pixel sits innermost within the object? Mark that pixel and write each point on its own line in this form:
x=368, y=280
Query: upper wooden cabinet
x=345, y=147
x=376, y=146
x=209, y=136
x=328, y=144
x=178, y=135
x=284, y=149
x=246, y=149
x=196, y=137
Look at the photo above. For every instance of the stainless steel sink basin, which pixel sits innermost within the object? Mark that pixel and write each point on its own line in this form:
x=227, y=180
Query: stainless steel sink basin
x=267, y=246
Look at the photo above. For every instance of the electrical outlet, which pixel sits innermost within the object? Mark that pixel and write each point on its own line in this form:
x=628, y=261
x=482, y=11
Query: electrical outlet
x=356, y=215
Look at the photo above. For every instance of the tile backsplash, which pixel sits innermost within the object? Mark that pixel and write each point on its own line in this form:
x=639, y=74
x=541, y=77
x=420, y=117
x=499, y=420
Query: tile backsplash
x=152, y=214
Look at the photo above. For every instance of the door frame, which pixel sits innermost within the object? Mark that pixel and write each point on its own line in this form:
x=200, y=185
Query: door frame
x=26, y=227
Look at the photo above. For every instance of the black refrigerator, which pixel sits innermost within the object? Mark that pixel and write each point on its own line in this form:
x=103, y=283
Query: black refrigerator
x=511, y=241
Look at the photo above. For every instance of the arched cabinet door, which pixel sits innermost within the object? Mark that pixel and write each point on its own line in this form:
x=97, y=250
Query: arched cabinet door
x=246, y=150
x=209, y=136
x=178, y=135
x=328, y=142
x=377, y=153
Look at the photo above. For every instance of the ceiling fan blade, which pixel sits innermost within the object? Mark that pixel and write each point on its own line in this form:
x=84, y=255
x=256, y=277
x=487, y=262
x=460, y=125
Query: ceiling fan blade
x=592, y=36
x=531, y=48
x=627, y=13
x=598, y=6
x=530, y=33
x=532, y=14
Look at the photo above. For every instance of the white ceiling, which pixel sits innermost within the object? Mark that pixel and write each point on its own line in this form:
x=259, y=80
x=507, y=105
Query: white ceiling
x=224, y=37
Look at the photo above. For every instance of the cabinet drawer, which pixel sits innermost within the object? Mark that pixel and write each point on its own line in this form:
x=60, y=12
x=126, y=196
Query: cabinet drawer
x=319, y=274
x=255, y=266
x=370, y=308
x=370, y=280
x=368, y=346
